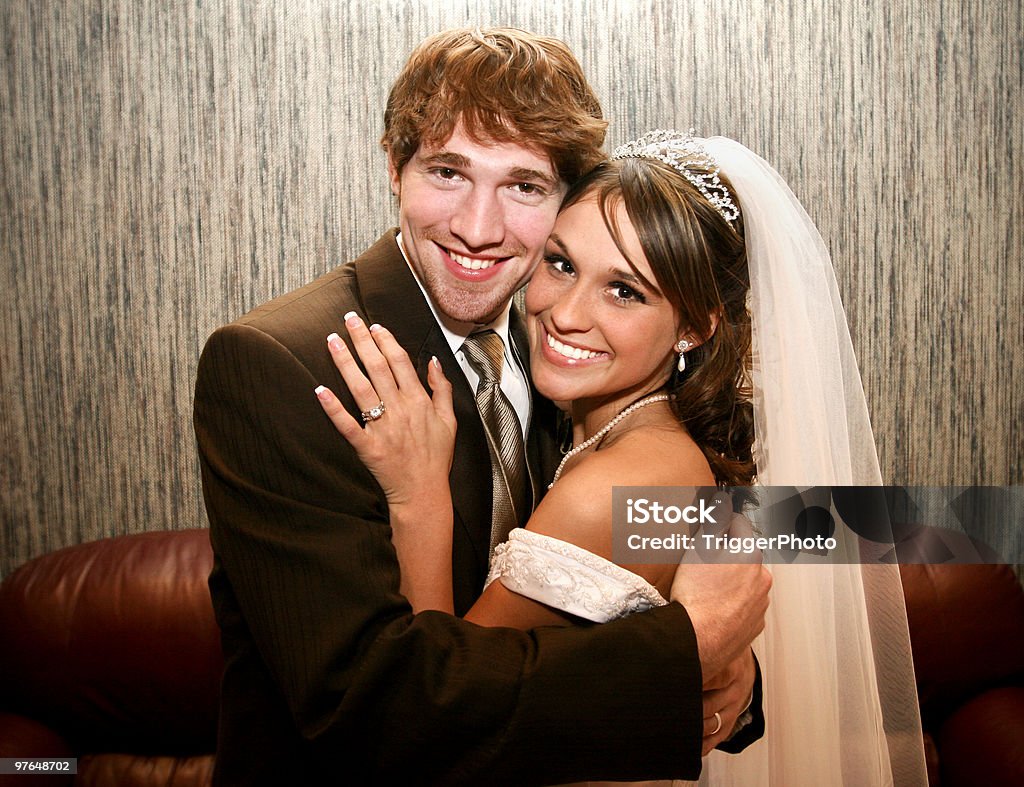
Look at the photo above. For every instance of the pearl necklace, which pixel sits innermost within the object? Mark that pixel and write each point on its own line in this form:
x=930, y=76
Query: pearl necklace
x=605, y=430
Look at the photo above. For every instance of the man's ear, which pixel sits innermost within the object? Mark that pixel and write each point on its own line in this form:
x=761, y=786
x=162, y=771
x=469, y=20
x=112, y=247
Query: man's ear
x=395, y=177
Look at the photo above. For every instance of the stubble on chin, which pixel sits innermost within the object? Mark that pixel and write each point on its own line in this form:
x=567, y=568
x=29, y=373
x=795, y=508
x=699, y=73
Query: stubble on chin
x=459, y=305
x=465, y=302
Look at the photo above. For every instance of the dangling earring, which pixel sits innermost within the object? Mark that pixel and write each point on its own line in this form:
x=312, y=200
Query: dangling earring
x=681, y=347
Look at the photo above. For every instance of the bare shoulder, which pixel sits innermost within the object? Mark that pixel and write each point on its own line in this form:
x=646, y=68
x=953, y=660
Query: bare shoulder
x=578, y=508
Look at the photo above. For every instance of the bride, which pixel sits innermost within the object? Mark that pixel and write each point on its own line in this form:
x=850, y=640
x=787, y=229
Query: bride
x=686, y=316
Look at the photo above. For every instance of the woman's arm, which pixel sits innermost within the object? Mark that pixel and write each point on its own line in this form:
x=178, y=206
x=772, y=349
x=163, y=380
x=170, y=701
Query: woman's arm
x=403, y=453
x=408, y=449
x=578, y=510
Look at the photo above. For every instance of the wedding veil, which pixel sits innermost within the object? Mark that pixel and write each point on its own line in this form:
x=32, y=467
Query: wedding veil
x=839, y=695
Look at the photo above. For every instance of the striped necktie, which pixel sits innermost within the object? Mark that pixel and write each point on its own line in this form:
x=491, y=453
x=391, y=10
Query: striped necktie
x=510, y=498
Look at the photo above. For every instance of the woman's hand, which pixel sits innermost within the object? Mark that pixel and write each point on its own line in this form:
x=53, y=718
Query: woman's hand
x=409, y=447
x=407, y=443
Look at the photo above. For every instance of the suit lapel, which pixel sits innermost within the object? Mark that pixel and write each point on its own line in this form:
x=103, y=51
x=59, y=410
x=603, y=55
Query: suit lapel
x=393, y=298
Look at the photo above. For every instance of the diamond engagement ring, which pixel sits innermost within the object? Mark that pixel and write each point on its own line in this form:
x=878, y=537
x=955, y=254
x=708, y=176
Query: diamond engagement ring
x=373, y=413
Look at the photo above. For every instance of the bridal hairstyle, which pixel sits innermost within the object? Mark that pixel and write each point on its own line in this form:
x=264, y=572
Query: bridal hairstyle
x=699, y=262
x=504, y=84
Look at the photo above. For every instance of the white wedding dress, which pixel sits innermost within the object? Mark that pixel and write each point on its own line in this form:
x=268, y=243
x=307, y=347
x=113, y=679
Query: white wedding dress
x=839, y=696
x=566, y=577
x=836, y=739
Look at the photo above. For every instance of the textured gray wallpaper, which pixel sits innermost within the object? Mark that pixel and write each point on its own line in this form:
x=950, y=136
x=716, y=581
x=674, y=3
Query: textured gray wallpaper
x=168, y=165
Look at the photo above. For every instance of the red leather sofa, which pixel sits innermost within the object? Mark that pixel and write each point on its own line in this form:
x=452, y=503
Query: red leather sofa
x=110, y=654
x=967, y=636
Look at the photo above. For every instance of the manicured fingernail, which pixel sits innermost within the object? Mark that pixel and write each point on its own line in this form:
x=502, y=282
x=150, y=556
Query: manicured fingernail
x=433, y=360
x=375, y=327
x=322, y=393
x=334, y=341
x=352, y=319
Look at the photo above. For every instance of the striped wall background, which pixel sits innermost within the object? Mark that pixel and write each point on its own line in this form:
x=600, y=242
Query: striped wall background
x=165, y=165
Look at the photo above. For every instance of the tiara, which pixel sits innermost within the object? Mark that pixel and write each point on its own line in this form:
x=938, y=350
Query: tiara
x=682, y=151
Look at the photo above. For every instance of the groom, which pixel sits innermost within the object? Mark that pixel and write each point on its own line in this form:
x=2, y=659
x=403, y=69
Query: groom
x=328, y=676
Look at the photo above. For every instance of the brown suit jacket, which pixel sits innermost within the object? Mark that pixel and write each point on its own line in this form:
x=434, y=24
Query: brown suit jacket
x=329, y=677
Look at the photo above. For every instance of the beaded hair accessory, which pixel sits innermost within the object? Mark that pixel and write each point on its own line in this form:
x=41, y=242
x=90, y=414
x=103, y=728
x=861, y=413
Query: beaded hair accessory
x=682, y=151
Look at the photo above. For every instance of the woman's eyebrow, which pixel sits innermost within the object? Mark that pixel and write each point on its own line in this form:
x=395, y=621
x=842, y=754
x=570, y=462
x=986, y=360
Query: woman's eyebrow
x=553, y=237
x=627, y=275
x=637, y=281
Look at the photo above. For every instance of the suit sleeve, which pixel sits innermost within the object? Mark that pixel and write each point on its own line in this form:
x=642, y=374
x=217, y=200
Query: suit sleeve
x=753, y=729
x=300, y=531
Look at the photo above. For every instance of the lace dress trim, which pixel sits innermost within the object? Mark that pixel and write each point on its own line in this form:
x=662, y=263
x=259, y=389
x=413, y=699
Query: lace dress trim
x=566, y=577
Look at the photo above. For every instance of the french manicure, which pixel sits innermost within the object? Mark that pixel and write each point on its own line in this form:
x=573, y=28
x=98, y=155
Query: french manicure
x=334, y=341
x=375, y=327
x=322, y=393
x=352, y=319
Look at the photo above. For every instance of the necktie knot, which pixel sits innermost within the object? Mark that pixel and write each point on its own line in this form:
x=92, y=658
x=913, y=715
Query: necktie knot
x=486, y=354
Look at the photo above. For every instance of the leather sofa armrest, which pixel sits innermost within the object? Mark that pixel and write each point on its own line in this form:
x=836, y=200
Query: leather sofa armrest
x=980, y=742
x=116, y=645
x=966, y=630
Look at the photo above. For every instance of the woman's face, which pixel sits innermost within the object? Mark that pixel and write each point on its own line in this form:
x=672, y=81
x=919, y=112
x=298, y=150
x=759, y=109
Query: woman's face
x=598, y=335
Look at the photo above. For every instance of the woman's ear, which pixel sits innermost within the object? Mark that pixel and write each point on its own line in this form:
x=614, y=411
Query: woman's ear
x=692, y=340
x=713, y=319
x=682, y=347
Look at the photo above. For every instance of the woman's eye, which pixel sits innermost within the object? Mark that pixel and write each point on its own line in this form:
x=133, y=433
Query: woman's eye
x=559, y=264
x=623, y=293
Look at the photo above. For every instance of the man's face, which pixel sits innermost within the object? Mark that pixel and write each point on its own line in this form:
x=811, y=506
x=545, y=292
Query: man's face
x=474, y=218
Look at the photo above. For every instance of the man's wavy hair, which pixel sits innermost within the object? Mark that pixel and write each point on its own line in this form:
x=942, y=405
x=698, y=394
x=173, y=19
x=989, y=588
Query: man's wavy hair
x=505, y=85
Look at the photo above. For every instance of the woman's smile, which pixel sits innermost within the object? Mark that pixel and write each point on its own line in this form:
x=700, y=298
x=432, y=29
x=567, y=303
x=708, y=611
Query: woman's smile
x=601, y=333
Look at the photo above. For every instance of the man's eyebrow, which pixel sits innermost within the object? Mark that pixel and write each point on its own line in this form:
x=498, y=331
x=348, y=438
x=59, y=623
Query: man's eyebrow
x=526, y=175
x=448, y=159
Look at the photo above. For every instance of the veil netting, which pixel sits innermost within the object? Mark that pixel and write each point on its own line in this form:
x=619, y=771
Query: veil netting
x=839, y=695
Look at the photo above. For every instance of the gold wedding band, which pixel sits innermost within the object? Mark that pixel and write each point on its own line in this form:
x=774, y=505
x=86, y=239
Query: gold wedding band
x=374, y=412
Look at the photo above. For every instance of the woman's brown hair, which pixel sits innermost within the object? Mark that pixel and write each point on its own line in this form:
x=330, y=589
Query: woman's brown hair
x=699, y=262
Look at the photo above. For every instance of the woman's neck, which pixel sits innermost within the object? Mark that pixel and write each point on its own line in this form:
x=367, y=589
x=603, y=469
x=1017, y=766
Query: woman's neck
x=589, y=416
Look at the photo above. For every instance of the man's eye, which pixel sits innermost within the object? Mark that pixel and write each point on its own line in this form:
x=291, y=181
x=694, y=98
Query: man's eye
x=444, y=173
x=528, y=188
